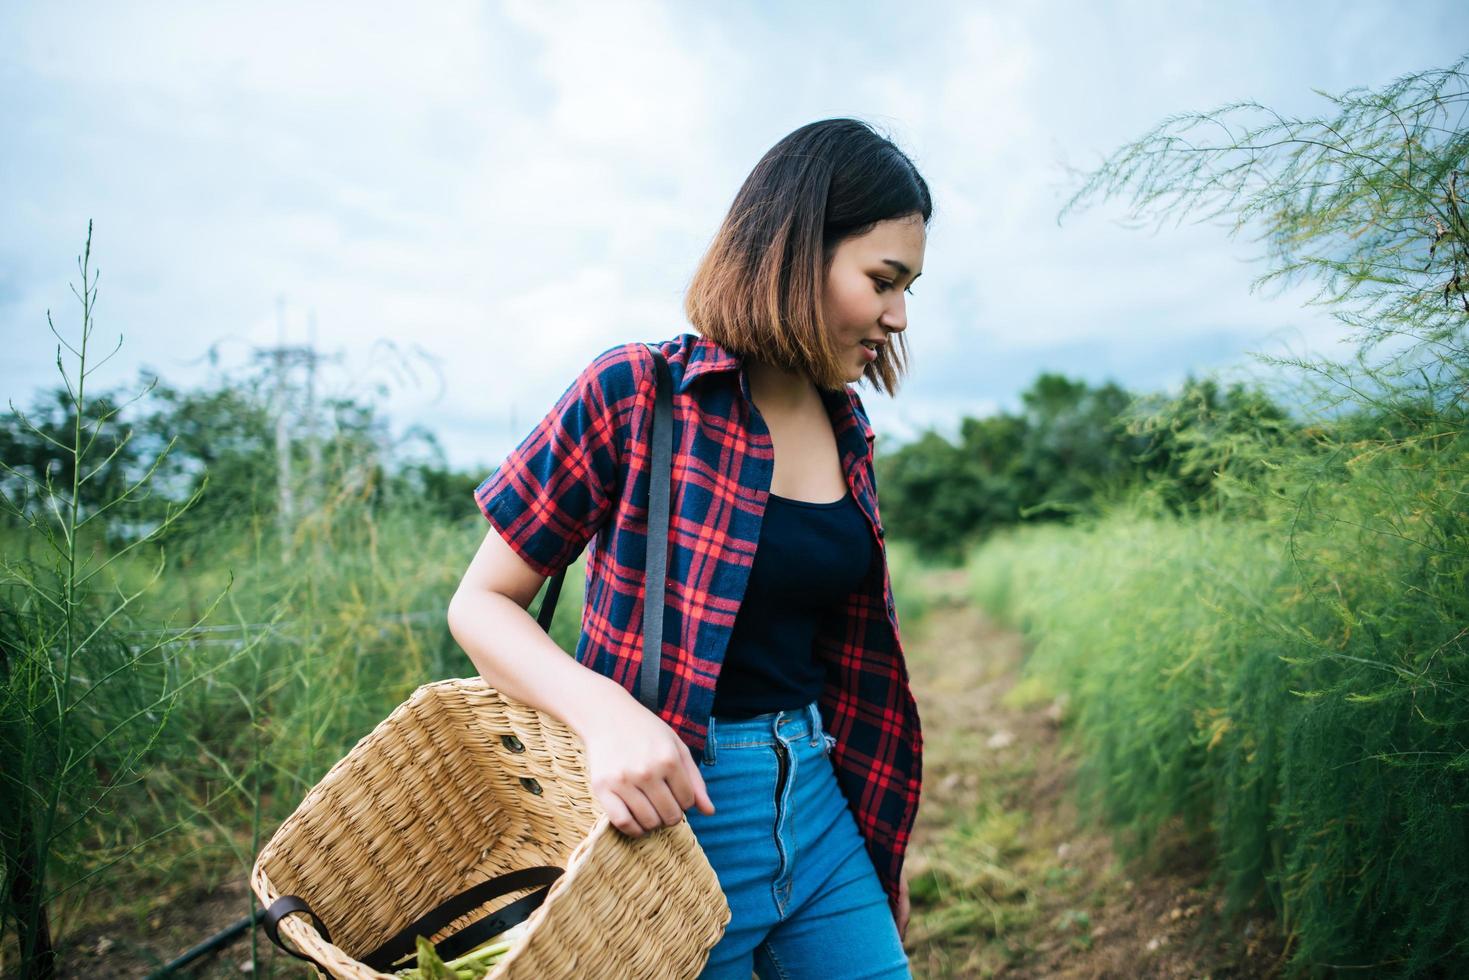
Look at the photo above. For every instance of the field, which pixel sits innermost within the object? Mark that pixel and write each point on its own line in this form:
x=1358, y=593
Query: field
x=1193, y=665
x=1008, y=876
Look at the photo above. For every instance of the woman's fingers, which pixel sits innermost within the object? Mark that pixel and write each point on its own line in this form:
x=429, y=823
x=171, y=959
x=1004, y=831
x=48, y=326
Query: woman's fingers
x=619, y=816
x=652, y=807
x=641, y=808
x=642, y=773
x=636, y=812
x=696, y=792
x=667, y=808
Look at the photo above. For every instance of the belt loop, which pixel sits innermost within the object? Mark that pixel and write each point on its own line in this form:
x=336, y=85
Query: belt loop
x=815, y=723
x=709, y=748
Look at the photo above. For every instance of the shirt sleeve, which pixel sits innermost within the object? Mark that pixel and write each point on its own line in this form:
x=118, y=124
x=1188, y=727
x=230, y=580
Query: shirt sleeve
x=555, y=490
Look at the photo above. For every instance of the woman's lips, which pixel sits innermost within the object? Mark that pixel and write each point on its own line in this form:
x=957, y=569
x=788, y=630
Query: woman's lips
x=868, y=352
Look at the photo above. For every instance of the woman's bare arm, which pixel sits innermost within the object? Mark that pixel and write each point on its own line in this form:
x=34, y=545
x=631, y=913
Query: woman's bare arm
x=639, y=769
x=488, y=618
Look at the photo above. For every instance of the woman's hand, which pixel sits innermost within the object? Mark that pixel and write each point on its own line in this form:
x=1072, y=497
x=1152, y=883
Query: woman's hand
x=903, y=909
x=641, y=772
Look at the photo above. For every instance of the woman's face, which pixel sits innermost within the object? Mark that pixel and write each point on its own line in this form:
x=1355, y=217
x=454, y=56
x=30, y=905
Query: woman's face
x=865, y=285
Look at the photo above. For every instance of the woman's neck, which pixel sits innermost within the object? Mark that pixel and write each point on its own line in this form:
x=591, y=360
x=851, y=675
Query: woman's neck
x=776, y=390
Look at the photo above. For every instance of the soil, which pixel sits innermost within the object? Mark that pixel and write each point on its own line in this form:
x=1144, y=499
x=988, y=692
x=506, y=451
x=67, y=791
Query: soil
x=1007, y=877
x=135, y=938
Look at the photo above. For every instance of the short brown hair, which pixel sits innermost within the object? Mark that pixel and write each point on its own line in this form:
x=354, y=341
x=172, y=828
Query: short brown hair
x=759, y=287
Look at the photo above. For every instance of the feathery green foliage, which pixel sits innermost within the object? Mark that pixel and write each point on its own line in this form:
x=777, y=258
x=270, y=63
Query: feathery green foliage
x=82, y=704
x=154, y=735
x=1289, y=673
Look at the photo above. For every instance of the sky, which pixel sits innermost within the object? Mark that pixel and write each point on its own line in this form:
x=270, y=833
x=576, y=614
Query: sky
x=460, y=204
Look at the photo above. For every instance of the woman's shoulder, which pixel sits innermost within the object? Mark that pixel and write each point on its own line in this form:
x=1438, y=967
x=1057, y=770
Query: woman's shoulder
x=625, y=371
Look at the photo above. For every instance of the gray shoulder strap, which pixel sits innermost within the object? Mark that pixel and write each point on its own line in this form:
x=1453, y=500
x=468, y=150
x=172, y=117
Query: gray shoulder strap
x=660, y=478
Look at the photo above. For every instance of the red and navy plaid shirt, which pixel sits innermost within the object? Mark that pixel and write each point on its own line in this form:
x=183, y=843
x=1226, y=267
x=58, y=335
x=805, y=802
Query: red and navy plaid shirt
x=582, y=473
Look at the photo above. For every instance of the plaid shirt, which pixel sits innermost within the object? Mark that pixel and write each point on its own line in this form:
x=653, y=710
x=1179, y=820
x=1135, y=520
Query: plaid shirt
x=582, y=473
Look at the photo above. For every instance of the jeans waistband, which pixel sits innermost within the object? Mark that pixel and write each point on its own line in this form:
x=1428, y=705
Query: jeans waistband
x=789, y=725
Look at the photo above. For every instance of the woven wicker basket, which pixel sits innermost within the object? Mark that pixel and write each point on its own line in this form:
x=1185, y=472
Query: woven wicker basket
x=462, y=783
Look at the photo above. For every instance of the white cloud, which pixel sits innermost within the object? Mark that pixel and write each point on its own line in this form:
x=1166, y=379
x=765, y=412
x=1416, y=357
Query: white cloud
x=511, y=188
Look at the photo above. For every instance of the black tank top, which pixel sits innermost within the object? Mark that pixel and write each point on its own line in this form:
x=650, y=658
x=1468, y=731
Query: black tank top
x=810, y=556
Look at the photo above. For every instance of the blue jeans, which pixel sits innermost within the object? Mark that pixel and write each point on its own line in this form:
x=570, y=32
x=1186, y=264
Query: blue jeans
x=804, y=898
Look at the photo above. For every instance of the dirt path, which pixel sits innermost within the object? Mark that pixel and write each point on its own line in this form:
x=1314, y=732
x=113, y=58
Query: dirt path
x=1006, y=878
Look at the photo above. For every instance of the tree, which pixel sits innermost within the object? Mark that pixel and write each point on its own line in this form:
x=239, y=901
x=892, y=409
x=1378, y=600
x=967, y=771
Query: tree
x=37, y=452
x=1191, y=440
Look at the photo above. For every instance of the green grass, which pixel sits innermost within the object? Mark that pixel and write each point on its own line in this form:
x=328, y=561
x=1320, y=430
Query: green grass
x=302, y=657
x=1294, y=687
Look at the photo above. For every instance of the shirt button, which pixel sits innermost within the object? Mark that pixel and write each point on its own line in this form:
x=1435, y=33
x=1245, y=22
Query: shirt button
x=879, y=531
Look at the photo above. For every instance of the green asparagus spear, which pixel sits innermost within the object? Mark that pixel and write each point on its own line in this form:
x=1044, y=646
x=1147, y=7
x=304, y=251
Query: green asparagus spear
x=473, y=965
x=430, y=967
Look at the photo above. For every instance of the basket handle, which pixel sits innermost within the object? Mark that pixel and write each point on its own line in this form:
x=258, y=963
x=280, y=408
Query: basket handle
x=283, y=907
x=660, y=477
x=404, y=944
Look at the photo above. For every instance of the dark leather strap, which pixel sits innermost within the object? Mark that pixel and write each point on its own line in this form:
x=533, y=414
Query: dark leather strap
x=472, y=935
x=283, y=907
x=548, y=603
x=660, y=478
x=404, y=945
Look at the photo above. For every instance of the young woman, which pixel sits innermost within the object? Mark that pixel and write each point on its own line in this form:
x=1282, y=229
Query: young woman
x=786, y=726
